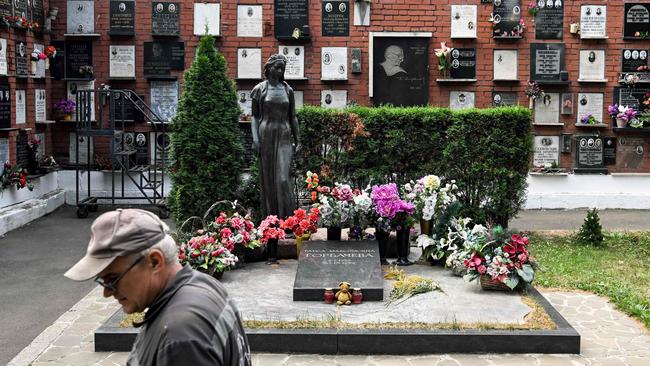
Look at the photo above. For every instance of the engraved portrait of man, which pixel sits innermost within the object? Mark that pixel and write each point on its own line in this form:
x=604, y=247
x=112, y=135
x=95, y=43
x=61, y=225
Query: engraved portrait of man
x=393, y=57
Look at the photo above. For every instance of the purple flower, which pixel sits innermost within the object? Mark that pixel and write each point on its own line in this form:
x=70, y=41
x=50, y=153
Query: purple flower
x=384, y=192
x=612, y=110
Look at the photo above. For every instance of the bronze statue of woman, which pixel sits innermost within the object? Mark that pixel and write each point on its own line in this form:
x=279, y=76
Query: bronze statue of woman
x=274, y=126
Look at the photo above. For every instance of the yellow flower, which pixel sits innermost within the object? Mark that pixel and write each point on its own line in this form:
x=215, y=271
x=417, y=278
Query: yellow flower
x=431, y=182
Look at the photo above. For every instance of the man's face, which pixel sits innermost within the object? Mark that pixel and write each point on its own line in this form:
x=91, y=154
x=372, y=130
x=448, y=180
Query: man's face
x=133, y=291
x=395, y=58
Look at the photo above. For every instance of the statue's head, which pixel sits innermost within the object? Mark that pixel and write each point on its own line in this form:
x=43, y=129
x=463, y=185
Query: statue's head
x=271, y=61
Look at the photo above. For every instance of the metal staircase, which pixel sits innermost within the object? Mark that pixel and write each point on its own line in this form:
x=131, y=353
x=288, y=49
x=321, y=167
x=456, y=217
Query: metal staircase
x=101, y=117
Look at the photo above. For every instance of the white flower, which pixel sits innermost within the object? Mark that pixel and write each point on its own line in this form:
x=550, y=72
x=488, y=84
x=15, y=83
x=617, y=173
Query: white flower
x=423, y=241
x=239, y=238
x=431, y=182
x=479, y=229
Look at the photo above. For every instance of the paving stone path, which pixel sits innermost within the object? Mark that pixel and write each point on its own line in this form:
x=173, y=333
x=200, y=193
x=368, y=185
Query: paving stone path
x=609, y=337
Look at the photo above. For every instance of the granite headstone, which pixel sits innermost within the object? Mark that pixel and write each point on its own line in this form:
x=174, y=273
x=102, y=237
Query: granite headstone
x=6, y=8
x=636, y=22
x=549, y=19
x=40, y=105
x=609, y=150
x=334, y=99
x=506, y=16
x=22, y=149
x=547, y=109
x=84, y=151
x=593, y=21
x=461, y=99
x=21, y=9
x=4, y=153
x=295, y=61
x=162, y=57
x=22, y=62
x=78, y=54
x=506, y=65
x=165, y=18
x=164, y=99
x=207, y=16
x=37, y=11
x=141, y=148
x=589, y=155
x=590, y=104
x=463, y=63
x=335, y=18
x=249, y=63
x=592, y=65
x=334, y=63
x=249, y=21
x=631, y=97
x=21, y=106
x=631, y=152
x=4, y=65
x=291, y=19
x=504, y=99
x=121, y=61
x=633, y=59
x=546, y=150
x=122, y=17
x=463, y=21
x=547, y=62
x=159, y=147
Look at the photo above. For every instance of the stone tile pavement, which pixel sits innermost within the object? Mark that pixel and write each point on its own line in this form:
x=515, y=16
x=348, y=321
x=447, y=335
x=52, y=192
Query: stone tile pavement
x=609, y=338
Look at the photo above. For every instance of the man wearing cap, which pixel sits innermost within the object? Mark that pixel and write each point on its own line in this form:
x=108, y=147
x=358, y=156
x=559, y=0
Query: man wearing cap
x=189, y=319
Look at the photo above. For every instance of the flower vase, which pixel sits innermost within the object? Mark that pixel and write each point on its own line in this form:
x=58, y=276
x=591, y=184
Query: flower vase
x=355, y=233
x=403, y=247
x=334, y=233
x=67, y=117
x=47, y=63
x=382, y=239
x=531, y=103
x=425, y=227
x=34, y=67
x=299, y=240
x=240, y=252
x=621, y=123
x=272, y=251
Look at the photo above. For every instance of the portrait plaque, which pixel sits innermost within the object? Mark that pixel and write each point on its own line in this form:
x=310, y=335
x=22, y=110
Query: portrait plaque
x=291, y=19
x=609, y=150
x=40, y=64
x=567, y=104
x=505, y=64
x=592, y=65
x=334, y=98
x=245, y=105
x=21, y=9
x=21, y=107
x=334, y=63
x=165, y=19
x=506, y=16
x=400, y=71
x=335, y=18
x=633, y=59
x=40, y=105
x=504, y=99
x=249, y=21
x=122, y=61
x=590, y=104
x=141, y=145
x=589, y=154
x=22, y=68
x=593, y=21
x=631, y=151
x=249, y=63
x=549, y=19
x=5, y=108
x=547, y=62
x=636, y=21
x=547, y=109
x=463, y=63
x=162, y=57
x=463, y=21
x=81, y=16
x=78, y=54
x=3, y=57
x=164, y=99
x=160, y=145
x=546, y=150
x=295, y=61
x=461, y=100
x=207, y=15
x=122, y=17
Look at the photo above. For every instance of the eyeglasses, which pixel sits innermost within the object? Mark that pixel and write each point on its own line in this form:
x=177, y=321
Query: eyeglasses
x=112, y=285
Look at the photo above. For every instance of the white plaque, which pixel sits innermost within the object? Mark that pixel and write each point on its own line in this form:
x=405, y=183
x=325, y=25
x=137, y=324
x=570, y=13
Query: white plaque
x=207, y=15
x=4, y=153
x=73, y=86
x=592, y=65
x=333, y=98
x=295, y=61
x=21, y=107
x=40, y=64
x=81, y=16
x=362, y=13
x=249, y=63
x=546, y=150
x=40, y=105
x=41, y=147
x=298, y=98
x=334, y=63
x=3, y=56
x=505, y=64
x=593, y=21
x=122, y=62
x=83, y=148
x=164, y=99
x=461, y=100
x=547, y=109
x=590, y=103
x=249, y=21
x=245, y=104
x=463, y=21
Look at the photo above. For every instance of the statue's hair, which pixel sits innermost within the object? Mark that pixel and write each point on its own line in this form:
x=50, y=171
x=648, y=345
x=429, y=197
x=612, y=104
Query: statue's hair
x=273, y=59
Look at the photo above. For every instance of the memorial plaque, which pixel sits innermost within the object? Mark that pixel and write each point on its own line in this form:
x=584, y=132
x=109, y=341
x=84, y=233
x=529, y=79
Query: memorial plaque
x=592, y=65
x=547, y=109
x=41, y=148
x=334, y=63
x=249, y=21
x=245, y=105
x=631, y=97
x=164, y=99
x=636, y=23
x=81, y=16
x=335, y=18
x=40, y=64
x=78, y=54
x=5, y=108
x=549, y=19
x=504, y=99
x=122, y=17
x=298, y=97
x=295, y=61
x=40, y=105
x=506, y=64
x=73, y=86
x=633, y=59
x=506, y=17
x=159, y=147
x=57, y=64
x=84, y=150
x=22, y=149
x=249, y=63
x=400, y=71
x=22, y=68
x=4, y=153
x=334, y=98
x=21, y=107
x=291, y=19
x=327, y=263
x=165, y=19
x=590, y=104
x=125, y=110
x=593, y=21
x=589, y=154
x=461, y=100
x=546, y=150
x=6, y=10
x=207, y=15
x=463, y=21
x=162, y=57
x=567, y=103
x=37, y=11
x=547, y=62
x=21, y=9
x=4, y=65
x=141, y=145
x=609, y=150
x=631, y=150
x=122, y=61
x=362, y=13
x=463, y=63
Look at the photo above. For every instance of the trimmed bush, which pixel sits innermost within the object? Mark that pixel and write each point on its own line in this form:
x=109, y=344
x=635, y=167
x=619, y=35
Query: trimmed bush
x=591, y=231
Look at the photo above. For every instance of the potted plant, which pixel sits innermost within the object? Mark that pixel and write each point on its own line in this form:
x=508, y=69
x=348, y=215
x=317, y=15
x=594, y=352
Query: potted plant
x=623, y=114
x=67, y=107
x=302, y=225
x=271, y=232
x=205, y=252
x=588, y=119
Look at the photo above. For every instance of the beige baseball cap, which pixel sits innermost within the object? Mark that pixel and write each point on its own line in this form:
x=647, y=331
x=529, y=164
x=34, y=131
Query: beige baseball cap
x=115, y=234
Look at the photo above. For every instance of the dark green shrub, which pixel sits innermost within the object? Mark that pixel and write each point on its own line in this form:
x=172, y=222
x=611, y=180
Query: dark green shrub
x=591, y=231
x=206, y=140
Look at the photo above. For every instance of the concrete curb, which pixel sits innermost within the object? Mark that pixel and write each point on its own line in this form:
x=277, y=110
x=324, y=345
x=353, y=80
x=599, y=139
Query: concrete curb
x=16, y=216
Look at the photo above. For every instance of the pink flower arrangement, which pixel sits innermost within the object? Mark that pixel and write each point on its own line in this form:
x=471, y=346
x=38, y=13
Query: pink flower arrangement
x=205, y=251
x=271, y=228
x=235, y=230
x=625, y=113
x=301, y=223
x=390, y=207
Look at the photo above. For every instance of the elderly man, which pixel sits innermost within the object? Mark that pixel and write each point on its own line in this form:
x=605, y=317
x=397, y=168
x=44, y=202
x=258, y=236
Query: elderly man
x=393, y=57
x=189, y=319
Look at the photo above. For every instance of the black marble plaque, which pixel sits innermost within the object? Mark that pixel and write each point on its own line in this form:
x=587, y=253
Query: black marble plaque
x=141, y=148
x=22, y=61
x=125, y=108
x=589, y=153
x=291, y=19
x=630, y=97
x=122, y=18
x=549, y=20
x=402, y=83
x=632, y=59
x=6, y=8
x=162, y=57
x=327, y=263
x=609, y=150
x=636, y=22
x=335, y=18
x=503, y=99
x=165, y=19
x=77, y=54
x=463, y=63
x=5, y=107
x=22, y=149
x=57, y=64
x=38, y=15
x=21, y=9
x=506, y=17
x=546, y=62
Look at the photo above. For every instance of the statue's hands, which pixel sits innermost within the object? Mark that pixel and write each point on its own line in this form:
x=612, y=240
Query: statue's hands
x=297, y=148
x=256, y=147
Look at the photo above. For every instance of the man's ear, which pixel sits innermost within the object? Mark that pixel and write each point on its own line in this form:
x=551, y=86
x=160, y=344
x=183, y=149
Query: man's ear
x=156, y=259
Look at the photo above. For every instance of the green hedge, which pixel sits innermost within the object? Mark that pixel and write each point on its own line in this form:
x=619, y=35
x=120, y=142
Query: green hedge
x=486, y=151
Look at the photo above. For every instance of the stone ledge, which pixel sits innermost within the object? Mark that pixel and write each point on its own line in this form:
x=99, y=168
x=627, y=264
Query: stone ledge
x=13, y=217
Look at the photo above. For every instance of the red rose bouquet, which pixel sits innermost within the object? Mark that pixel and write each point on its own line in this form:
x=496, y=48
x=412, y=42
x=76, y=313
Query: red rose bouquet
x=301, y=223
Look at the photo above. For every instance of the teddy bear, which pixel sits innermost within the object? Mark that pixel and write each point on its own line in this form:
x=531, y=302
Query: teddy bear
x=343, y=295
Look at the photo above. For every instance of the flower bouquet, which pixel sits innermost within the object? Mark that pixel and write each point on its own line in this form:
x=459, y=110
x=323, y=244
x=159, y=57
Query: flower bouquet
x=67, y=107
x=302, y=225
x=336, y=209
x=622, y=114
x=270, y=230
x=588, y=119
x=430, y=199
x=533, y=7
x=14, y=176
x=206, y=253
x=444, y=59
x=533, y=91
x=235, y=231
x=392, y=212
x=362, y=213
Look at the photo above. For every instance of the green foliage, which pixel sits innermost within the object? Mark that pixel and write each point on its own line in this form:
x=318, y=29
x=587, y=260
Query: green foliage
x=591, y=231
x=249, y=195
x=206, y=140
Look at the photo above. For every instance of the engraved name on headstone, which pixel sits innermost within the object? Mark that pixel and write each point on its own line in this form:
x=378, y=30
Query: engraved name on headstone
x=590, y=104
x=463, y=21
x=249, y=63
x=506, y=19
x=633, y=59
x=593, y=21
x=78, y=54
x=162, y=57
x=589, y=152
x=503, y=99
x=506, y=65
x=207, y=15
x=4, y=68
x=140, y=142
x=546, y=62
x=335, y=18
x=549, y=19
x=295, y=61
x=334, y=98
x=122, y=61
x=164, y=99
x=636, y=21
x=463, y=63
x=631, y=97
x=122, y=17
x=22, y=69
x=631, y=151
x=291, y=19
x=21, y=107
x=165, y=19
x=40, y=104
x=249, y=21
x=461, y=100
x=334, y=63
x=547, y=109
x=81, y=16
x=546, y=150
x=592, y=65
x=5, y=108
x=609, y=150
